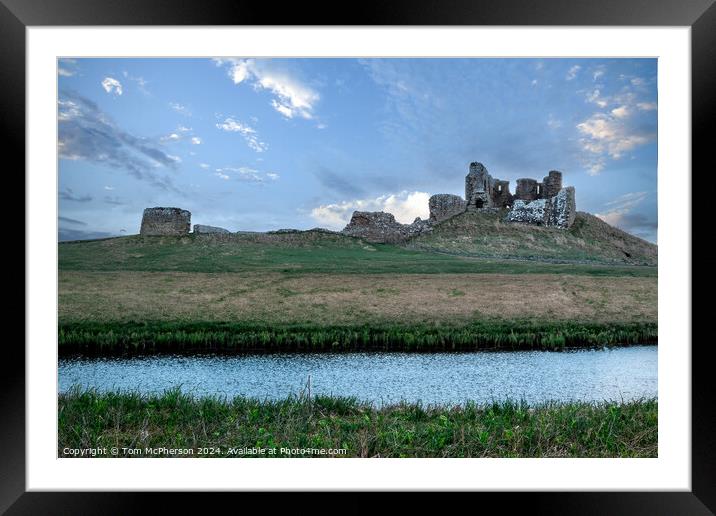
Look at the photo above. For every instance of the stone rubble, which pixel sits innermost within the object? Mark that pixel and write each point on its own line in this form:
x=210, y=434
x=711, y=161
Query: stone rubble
x=201, y=229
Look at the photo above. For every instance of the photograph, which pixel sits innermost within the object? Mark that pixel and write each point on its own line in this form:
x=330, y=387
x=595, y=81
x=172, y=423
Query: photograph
x=357, y=257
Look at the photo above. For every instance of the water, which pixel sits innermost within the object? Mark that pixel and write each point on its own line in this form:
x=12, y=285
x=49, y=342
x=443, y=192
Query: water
x=446, y=378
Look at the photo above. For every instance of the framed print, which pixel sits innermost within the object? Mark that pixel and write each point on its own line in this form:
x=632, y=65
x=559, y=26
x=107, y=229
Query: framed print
x=431, y=251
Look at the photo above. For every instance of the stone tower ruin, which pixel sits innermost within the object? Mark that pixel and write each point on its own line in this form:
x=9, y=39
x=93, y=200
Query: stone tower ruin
x=478, y=187
x=165, y=222
x=482, y=191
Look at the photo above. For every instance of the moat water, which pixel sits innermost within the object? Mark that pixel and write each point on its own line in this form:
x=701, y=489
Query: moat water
x=614, y=374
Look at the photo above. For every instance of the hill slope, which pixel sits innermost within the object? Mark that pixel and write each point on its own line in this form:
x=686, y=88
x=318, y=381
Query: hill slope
x=302, y=252
x=589, y=240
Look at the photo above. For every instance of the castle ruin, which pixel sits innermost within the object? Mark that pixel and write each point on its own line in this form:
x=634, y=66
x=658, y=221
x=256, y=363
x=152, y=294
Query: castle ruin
x=544, y=203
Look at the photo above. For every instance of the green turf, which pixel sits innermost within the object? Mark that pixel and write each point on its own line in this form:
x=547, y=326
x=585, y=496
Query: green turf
x=156, y=336
x=216, y=427
x=307, y=252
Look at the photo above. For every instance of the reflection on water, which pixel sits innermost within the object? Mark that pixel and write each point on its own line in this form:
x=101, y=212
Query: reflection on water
x=535, y=376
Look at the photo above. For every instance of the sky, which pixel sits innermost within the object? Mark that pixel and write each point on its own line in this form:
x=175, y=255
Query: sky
x=265, y=144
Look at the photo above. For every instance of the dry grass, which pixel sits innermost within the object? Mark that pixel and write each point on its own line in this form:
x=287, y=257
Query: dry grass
x=349, y=299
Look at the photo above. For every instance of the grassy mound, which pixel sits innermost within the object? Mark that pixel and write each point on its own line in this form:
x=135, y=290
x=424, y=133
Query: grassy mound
x=468, y=243
x=589, y=240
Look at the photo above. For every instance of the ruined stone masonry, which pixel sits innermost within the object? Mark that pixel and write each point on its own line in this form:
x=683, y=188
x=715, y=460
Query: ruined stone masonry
x=381, y=227
x=201, y=229
x=543, y=203
x=558, y=211
x=165, y=222
x=444, y=206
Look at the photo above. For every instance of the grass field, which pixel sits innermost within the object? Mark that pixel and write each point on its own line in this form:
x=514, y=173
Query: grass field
x=313, y=289
x=337, y=298
x=88, y=419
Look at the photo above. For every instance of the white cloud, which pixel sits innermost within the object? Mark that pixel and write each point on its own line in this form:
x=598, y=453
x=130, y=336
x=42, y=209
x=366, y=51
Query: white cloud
x=173, y=137
x=292, y=98
x=405, y=206
x=246, y=174
x=595, y=98
x=183, y=129
x=628, y=200
x=66, y=67
x=234, y=126
x=109, y=187
x=597, y=74
x=112, y=86
x=534, y=82
x=140, y=81
x=572, y=72
x=620, y=112
x=553, y=123
x=646, y=106
x=205, y=166
x=180, y=108
x=594, y=166
x=68, y=110
x=607, y=134
x=249, y=133
x=195, y=140
x=620, y=207
x=282, y=108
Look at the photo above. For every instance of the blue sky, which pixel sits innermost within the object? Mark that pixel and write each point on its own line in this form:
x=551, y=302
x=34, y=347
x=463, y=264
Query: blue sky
x=263, y=144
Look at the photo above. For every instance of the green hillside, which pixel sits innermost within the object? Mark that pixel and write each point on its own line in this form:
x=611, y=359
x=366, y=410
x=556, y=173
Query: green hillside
x=589, y=240
x=322, y=252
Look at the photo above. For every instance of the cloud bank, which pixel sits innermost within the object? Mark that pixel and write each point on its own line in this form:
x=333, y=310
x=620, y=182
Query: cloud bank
x=406, y=206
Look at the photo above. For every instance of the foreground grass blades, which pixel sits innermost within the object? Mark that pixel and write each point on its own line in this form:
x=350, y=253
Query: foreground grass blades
x=88, y=419
x=161, y=336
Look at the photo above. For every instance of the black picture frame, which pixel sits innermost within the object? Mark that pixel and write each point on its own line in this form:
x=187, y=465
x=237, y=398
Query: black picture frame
x=700, y=15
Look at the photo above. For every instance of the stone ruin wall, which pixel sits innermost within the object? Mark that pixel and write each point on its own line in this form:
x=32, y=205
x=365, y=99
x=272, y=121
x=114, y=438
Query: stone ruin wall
x=551, y=184
x=445, y=206
x=201, y=229
x=381, y=227
x=501, y=196
x=530, y=190
x=558, y=211
x=527, y=190
x=165, y=222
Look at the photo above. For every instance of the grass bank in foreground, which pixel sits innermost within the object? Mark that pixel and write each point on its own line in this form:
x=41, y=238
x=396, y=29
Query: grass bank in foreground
x=174, y=420
x=162, y=336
